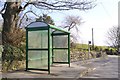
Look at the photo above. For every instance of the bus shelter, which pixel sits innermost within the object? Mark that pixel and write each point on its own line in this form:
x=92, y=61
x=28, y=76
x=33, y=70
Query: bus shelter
x=46, y=45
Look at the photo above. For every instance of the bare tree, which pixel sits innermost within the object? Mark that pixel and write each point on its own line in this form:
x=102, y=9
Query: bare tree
x=11, y=9
x=113, y=36
x=71, y=22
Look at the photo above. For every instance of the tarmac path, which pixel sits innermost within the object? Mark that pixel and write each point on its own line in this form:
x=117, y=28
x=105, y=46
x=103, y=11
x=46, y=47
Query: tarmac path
x=93, y=68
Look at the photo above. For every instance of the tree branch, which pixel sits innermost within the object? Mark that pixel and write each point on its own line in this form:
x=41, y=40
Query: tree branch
x=3, y=8
x=114, y=36
x=28, y=3
x=64, y=5
x=25, y=14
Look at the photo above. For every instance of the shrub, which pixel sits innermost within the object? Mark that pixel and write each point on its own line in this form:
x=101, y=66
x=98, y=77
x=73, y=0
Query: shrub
x=12, y=57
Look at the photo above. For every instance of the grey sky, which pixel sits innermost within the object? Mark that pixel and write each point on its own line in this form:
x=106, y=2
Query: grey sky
x=101, y=18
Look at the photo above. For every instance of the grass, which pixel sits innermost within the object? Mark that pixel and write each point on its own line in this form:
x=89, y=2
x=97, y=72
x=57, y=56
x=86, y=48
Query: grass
x=84, y=47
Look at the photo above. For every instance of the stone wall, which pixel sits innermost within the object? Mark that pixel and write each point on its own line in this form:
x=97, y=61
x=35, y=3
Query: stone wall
x=75, y=56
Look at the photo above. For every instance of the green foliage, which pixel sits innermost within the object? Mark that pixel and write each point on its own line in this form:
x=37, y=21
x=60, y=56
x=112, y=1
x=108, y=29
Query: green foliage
x=13, y=55
x=12, y=58
x=113, y=49
x=101, y=47
x=96, y=48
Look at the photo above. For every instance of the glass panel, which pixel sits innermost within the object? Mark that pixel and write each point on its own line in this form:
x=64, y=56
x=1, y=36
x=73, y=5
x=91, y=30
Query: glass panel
x=38, y=39
x=60, y=55
x=60, y=41
x=38, y=59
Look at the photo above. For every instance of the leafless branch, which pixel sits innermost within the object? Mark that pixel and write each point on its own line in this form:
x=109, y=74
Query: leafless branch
x=28, y=3
x=113, y=36
x=3, y=8
x=25, y=14
x=64, y=5
x=72, y=22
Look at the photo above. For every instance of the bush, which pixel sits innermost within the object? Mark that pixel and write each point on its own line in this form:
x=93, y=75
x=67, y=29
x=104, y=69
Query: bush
x=13, y=57
x=14, y=50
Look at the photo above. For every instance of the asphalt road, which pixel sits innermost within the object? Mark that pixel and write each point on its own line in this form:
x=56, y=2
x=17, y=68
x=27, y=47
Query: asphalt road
x=98, y=68
x=107, y=70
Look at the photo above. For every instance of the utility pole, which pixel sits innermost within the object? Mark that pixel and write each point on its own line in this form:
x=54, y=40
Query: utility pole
x=92, y=39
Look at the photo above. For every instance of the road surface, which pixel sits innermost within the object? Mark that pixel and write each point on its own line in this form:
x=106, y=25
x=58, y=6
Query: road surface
x=107, y=70
x=94, y=68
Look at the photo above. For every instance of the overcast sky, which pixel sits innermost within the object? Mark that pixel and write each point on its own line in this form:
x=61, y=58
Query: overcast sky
x=101, y=18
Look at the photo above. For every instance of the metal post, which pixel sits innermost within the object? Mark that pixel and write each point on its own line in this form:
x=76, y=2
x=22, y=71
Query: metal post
x=26, y=49
x=48, y=50
x=69, y=49
x=92, y=39
x=52, y=51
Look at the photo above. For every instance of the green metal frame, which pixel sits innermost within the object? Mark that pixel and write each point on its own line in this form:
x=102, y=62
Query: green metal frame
x=69, y=49
x=49, y=50
x=49, y=44
x=26, y=49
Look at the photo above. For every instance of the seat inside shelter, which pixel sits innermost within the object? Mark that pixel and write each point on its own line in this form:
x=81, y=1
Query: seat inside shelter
x=45, y=45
